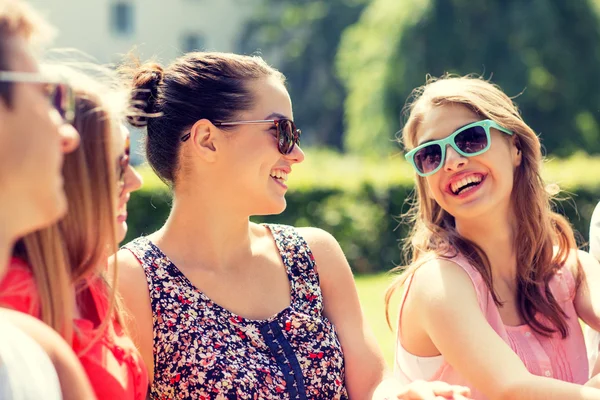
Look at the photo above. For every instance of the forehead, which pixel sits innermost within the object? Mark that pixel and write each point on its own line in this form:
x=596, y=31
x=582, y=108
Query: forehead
x=120, y=133
x=270, y=97
x=20, y=55
x=441, y=121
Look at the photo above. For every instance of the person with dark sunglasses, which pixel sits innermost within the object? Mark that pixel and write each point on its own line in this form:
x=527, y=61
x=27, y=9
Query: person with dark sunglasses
x=222, y=307
x=35, y=134
x=496, y=287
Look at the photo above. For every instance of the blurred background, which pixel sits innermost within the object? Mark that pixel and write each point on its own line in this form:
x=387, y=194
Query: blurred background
x=350, y=65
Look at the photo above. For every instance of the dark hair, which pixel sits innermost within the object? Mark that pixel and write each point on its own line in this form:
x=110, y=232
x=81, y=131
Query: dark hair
x=17, y=19
x=195, y=86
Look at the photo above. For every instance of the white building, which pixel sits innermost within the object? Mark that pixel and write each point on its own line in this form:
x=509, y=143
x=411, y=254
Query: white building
x=107, y=29
x=165, y=29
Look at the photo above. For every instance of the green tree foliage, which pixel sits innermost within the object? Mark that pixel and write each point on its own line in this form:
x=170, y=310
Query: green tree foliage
x=545, y=52
x=301, y=38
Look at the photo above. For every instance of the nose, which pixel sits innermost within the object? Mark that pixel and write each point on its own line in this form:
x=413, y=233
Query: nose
x=454, y=161
x=69, y=138
x=296, y=155
x=132, y=180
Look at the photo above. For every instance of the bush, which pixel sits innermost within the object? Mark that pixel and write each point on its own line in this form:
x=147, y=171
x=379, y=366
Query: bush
x=520, y=45
x=358, y=200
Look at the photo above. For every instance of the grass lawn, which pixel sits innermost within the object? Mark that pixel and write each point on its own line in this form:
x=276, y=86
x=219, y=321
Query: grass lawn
x=371, y=290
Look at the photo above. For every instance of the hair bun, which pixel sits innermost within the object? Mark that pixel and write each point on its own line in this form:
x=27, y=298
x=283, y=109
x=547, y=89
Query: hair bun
x=144, y=92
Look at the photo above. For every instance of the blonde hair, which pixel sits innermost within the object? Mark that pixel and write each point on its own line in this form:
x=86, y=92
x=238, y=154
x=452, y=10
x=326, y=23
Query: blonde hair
x=68, y=254
x=18, y=19
x=433, y=230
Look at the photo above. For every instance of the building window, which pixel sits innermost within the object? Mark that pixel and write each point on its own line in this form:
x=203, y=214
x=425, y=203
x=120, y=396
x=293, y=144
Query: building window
x=193, y=42
x=122, y=18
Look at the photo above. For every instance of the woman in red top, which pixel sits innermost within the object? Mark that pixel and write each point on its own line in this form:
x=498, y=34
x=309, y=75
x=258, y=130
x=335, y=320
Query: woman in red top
x=59, y=274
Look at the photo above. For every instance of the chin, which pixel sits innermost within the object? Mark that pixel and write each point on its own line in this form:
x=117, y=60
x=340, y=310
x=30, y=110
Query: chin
x=274, y=208
x=55, y=210
x=474, y=211
x=42, y=214
x=121, y=231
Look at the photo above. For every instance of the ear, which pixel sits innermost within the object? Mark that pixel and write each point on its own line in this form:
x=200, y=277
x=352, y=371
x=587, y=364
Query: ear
x=203, y=138
x=516, y=153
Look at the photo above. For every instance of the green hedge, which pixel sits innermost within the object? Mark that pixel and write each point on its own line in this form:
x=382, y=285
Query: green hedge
x=358, y=201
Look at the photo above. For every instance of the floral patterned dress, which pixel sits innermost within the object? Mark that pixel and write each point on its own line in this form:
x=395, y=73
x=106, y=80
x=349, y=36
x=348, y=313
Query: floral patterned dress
x=203, y=351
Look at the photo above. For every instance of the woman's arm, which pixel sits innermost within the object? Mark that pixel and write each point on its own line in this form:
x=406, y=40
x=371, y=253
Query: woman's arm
x=364, y=363
x=133, y=289
x=595, y=233
x=74, y=382
x=587, y=299
x=450, y=315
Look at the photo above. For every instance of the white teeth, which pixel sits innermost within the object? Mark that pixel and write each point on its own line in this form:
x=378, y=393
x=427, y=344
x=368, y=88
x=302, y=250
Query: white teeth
x=279, y=174
x=458, y=185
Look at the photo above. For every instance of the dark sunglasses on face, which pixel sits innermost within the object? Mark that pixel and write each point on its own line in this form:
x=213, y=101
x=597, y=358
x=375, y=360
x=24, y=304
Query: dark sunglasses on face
x=288, y=135
x=59, y=94
x=469, y=141
x=124, y=161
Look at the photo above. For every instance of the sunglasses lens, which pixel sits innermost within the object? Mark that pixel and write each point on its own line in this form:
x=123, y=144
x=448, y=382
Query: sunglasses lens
x=287, y=136
x=124, y=160
x=63, y=101
x=428, y=158
x=471, y=140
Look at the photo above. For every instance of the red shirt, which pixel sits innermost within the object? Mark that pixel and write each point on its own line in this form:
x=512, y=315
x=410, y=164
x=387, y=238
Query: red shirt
x=113, y=364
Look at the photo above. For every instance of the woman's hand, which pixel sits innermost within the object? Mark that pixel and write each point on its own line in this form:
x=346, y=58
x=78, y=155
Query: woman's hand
x=390, y=389
x=421, y=390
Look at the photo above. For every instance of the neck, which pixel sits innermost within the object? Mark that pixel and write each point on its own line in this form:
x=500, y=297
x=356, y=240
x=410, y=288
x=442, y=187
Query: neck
x=5, y=251
x=8, y=235
x=494, y=234
x=203, y=228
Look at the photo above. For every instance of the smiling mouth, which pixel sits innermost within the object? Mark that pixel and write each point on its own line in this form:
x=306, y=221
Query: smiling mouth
x=279, y=175
x=466, y=184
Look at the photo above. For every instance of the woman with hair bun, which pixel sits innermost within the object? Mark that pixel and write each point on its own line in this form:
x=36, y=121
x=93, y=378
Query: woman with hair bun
x=222, y=307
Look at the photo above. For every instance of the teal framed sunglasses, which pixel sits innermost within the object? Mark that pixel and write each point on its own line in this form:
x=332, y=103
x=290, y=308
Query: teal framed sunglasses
x=469, y=141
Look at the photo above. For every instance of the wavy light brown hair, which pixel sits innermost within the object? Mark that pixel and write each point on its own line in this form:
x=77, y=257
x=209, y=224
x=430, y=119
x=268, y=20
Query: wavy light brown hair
x=67, y=255
x=433, y=230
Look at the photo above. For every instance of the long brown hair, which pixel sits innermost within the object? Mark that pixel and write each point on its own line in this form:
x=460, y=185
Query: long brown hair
x=433, y=230
x=67, y=255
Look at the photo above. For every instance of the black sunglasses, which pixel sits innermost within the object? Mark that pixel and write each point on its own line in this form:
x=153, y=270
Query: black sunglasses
x=59, y=94
x=288, y=135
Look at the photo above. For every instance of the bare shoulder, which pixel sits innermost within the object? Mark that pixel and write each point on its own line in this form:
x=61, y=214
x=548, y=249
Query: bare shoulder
x=578, y=257
x=587, y=260
x=131, y=278
x=52, y=343
x=32, y=326
x=319, y=239
x=329, y=256
x=589, y=264
x=129, y=266
x=126, y=260
x=439, y=279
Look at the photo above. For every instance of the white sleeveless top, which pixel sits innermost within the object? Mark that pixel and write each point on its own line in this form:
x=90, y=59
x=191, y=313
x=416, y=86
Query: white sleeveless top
x=407, y=366
x=26, y=372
